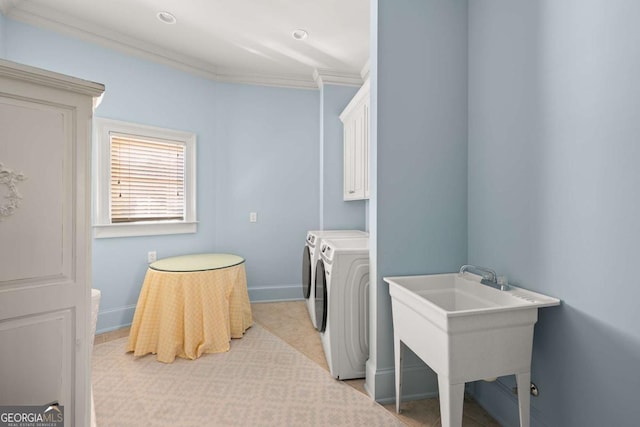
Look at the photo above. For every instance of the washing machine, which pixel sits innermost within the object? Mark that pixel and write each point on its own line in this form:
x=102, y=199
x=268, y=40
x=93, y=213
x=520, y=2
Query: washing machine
x=342, y=295
x=311, y=255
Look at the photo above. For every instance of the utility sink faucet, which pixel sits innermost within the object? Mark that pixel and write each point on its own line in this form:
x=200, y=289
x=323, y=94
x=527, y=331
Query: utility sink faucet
x=489, y=276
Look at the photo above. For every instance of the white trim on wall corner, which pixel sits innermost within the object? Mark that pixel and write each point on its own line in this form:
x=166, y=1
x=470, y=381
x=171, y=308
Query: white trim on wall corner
x=321, y=77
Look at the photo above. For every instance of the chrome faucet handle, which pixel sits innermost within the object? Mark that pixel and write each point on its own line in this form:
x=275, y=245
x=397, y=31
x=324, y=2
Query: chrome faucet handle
x=489, y=277
x=487, y=273
x=465, y=268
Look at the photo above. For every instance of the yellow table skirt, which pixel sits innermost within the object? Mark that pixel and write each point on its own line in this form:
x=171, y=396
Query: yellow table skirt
x=186, y=314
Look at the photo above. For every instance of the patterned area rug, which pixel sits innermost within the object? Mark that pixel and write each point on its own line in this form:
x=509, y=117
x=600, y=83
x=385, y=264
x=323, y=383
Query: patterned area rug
x=261, y=381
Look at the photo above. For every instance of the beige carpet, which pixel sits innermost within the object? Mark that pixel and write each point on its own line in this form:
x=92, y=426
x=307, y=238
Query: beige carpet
x=290, y=321
x=262, y=381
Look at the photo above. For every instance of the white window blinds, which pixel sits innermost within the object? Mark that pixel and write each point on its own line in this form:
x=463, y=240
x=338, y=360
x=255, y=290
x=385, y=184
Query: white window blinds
x=147, y=179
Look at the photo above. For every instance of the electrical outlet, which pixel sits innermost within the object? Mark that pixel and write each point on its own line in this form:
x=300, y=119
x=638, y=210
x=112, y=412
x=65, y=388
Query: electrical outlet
x=151, y=256
x=253, y=217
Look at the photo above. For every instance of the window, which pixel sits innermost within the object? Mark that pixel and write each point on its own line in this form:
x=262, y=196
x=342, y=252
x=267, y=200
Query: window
x=144, y=180
x=147, y=179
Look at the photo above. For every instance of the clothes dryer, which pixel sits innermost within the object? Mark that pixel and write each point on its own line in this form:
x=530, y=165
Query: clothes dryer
x=342, y=295
x=311, y=255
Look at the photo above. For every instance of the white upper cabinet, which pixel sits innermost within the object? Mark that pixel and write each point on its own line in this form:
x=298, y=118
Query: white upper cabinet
x=355, y=119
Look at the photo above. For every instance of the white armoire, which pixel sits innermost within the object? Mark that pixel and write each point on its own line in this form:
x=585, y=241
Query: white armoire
x=45, y=268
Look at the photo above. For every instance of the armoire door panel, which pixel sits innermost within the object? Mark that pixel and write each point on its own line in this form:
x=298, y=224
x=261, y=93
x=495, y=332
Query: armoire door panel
x=24, y=340
x=38, y=235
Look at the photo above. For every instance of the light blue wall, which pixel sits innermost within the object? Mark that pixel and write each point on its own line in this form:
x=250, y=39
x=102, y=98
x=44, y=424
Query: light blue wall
x=142, y=92
x=418, y=216
x=2, y=36
x=268, y=163
x=257, y=151
x=335, y=213
x=554, y=131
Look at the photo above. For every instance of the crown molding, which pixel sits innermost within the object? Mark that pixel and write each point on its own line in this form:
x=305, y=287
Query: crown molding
x=55, y=21
x=295, y=81
x=362, y=93
x=364, y=73
x=322, y=77
x=6, y=6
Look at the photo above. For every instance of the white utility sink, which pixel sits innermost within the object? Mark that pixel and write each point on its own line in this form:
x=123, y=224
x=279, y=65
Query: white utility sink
x=465, y=331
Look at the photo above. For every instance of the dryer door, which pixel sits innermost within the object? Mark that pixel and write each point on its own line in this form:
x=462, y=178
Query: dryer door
x=306, y=272
x=321, y=296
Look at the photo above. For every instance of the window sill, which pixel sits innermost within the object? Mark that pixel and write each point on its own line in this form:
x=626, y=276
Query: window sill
x=143, y=229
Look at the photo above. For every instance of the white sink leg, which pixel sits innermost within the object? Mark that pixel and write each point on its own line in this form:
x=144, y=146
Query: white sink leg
x=451, y=402
x=399, y=353
x=524, y=399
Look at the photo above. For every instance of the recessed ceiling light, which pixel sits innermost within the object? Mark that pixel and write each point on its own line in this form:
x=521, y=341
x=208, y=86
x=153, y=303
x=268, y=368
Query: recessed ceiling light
x=166, y=17
x=300, y=34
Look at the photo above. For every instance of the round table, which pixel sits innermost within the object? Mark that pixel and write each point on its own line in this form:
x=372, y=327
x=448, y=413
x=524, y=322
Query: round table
x=190, y=305
x=196, y=262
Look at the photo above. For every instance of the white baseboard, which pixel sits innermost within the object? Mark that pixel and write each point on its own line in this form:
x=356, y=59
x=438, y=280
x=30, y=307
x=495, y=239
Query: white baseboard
x=502, y=404
x=276, y=293
x=115, y=318
x=419, y=382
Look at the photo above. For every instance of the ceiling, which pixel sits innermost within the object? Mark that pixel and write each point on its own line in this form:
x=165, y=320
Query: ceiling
x=229, y=40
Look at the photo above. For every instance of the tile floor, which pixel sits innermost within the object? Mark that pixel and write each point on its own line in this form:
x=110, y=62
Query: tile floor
x=290, y=322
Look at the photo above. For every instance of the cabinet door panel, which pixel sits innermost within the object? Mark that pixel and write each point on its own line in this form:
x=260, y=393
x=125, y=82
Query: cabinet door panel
x=355, y=119
x=350, y=159
x=366, y=149
x=359, y=152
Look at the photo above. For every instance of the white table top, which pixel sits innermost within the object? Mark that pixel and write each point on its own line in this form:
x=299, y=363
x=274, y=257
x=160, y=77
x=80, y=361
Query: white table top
x=196, y=262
